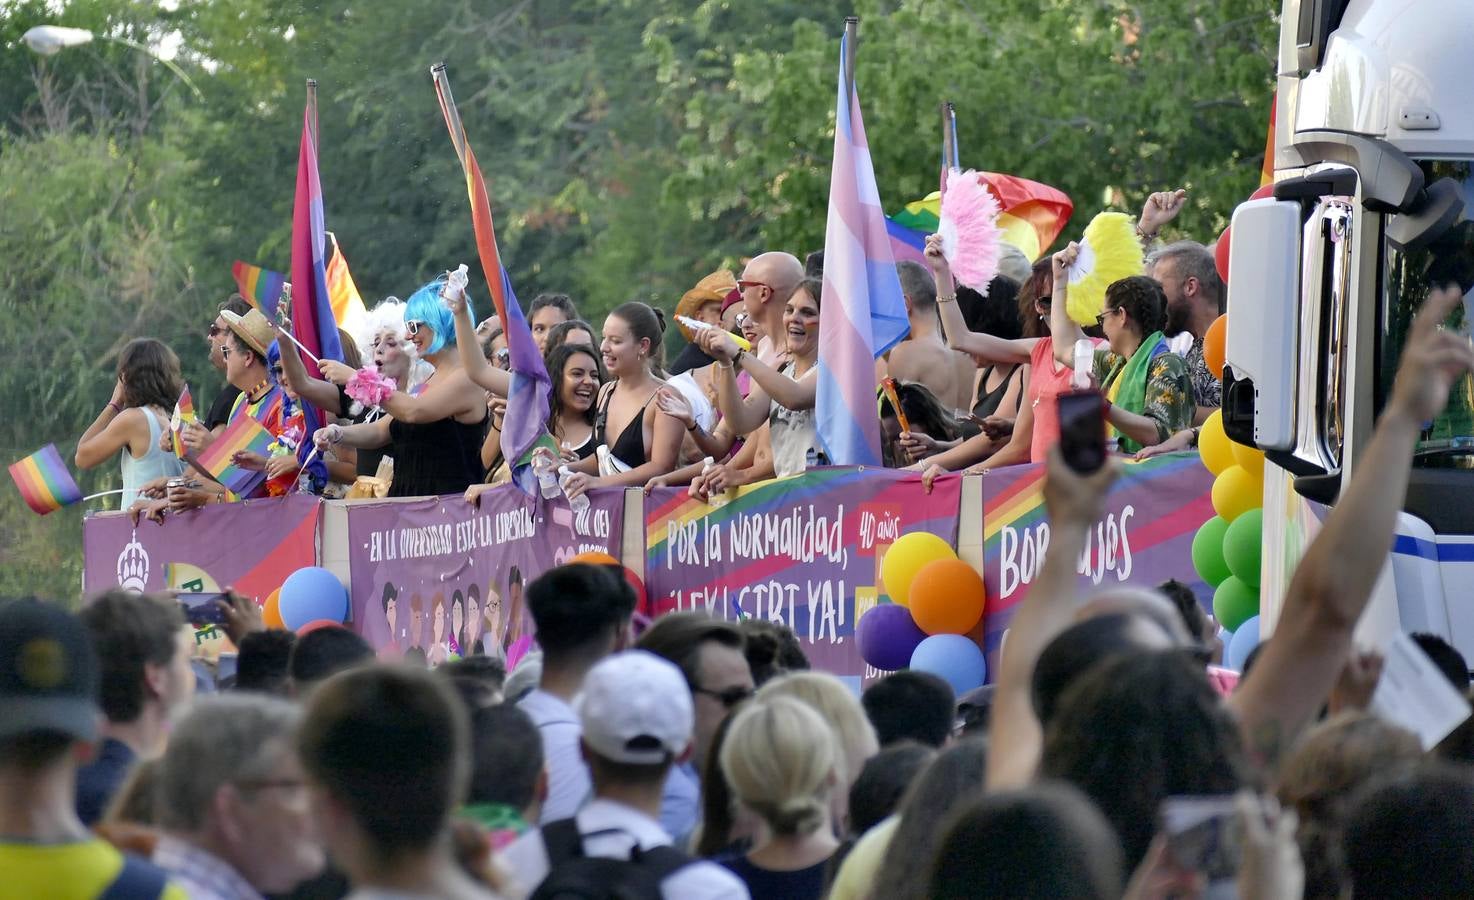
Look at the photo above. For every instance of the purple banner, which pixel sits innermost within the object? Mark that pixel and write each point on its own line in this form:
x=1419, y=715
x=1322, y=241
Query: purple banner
x=440, y=576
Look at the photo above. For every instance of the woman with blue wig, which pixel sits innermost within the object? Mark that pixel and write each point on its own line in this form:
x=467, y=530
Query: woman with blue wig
x=434, y=437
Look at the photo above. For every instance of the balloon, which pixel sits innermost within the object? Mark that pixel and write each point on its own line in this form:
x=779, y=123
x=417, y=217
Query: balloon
x=1220, y=254
x=1235, y=492
x=1242, y=543
x=1251, y=458
x=947, y=597
x=1208, y=559
x=1214, y=446
x=1243, y=642
x=638, y=585
x=271, y=610
x=312, y=593
x=1234, y=603
x=1215, y=346
x=1262, y=191
x=317, y=624
x=888, y=636
x=953, y=658
x=594, y=558
x=906, y=557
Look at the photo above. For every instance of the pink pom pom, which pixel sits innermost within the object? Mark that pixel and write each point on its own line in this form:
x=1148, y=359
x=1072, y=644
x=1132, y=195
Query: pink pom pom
x=368, y=387
x=969, y=229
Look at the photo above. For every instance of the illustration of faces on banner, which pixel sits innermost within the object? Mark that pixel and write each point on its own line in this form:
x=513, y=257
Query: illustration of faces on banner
x=436, y=626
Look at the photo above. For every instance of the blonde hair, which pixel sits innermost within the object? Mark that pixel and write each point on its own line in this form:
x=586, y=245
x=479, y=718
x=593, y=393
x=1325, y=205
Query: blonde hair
x=841, y=709
x=780, y=761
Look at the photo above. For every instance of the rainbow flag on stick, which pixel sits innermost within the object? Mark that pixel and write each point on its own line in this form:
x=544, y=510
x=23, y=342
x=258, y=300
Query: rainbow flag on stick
x=45, y=482
x=1033, y=214
x=183, y=415
x=262, y=288
x=217, y=460
x=863, y=313
x=527, y=401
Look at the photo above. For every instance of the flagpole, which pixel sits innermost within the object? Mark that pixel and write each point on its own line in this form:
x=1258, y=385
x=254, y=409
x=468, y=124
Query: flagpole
x=851, y=37
x=104, y=494
x=312, y=110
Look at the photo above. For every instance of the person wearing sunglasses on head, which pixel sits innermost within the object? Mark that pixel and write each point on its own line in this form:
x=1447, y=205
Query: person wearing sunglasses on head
x=434, y=437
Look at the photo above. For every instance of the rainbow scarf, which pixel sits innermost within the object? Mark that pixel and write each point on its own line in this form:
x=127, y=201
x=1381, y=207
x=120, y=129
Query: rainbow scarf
x=1128, y=381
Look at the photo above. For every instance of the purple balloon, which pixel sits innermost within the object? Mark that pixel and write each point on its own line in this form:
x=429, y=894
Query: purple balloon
x=888, y=636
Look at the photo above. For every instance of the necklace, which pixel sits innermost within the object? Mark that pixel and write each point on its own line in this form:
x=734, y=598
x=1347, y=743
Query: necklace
x=261, y=386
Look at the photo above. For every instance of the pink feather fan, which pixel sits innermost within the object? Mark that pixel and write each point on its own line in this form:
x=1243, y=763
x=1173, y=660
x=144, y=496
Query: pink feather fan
x=968, y=224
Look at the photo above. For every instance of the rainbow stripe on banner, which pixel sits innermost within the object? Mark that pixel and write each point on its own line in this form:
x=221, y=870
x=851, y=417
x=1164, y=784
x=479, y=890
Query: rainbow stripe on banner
x=217, y=460
x=45, y=482
x=262, y=288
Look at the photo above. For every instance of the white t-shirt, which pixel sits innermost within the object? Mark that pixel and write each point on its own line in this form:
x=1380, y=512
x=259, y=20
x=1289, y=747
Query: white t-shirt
x=569, y=786
x=626, y=828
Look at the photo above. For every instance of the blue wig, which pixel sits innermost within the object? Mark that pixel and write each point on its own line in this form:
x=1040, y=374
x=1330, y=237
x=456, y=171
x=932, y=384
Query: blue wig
x=425, y=305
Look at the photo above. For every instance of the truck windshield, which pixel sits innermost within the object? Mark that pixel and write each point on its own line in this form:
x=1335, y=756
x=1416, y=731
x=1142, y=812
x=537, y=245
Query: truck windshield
x=1408, y=276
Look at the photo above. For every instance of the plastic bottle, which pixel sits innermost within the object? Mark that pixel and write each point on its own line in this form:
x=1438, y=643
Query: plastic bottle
x=455, y=284
x=547, y=476
x=1084, y=364
x=579, y=504
x=712, y=500
x=606, y=460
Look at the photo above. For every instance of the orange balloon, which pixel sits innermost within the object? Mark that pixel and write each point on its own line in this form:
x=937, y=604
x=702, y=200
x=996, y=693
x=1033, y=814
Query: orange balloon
x=947, y=597
x=594, y=558
x=1215, y=346
x=271, y=610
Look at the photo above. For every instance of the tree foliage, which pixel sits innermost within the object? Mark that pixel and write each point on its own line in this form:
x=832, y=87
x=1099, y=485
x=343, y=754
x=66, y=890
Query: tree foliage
x=632, y=147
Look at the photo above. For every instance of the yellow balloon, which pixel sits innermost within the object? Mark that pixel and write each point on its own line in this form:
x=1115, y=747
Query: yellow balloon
x=1214, y=446
x=906, y=557
x=1251, y=458
x=1235, y=492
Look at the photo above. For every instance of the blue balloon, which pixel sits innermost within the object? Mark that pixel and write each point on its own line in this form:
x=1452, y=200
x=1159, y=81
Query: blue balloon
x=310, y=594
x=1241, y=644
x=954, y=658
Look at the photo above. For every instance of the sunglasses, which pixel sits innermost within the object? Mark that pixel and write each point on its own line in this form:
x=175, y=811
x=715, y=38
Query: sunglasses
x=225, y=352
x=744, y=285
x=728, y=698
x=1100, y=319
x=413, y=326
x=278, y=371
x=216, y=331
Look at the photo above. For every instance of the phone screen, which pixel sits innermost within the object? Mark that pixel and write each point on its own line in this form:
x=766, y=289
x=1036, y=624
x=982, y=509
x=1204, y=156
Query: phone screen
x=201, y=608
x=1082, y=430
x=1201, y=835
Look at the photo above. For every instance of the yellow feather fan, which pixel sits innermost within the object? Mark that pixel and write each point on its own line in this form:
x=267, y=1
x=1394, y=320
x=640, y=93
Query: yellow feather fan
x=1109, y=251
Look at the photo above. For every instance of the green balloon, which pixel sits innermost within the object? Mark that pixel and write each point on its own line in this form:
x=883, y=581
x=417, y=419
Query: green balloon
x=1208, y=558
x=1243, y=544
x=1234, y=603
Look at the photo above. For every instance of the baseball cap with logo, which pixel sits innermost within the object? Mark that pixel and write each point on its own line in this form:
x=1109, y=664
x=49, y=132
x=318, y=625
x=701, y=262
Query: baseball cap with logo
x=48, y=672
x=636, y=709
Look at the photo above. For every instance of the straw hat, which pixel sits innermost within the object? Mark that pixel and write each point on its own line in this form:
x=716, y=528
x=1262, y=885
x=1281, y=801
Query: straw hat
x=711, y=289
x=251, y=328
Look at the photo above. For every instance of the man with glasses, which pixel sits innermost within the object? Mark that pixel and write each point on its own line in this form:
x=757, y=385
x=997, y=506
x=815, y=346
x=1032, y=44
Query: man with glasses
x=766, y=284
x=233, y=803
x=709, y=654
x=219, y=412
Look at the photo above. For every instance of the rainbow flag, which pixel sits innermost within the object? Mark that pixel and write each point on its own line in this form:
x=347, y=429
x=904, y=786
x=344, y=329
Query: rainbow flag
x=906, y=243
x=524, y=425
x=262, y=288
x=312, y=313
x=863, y=313
x=348, y=308
x=244, y=433
x=45, y=482
x=1266, y=169
x=183, y=414
x=1033, y=214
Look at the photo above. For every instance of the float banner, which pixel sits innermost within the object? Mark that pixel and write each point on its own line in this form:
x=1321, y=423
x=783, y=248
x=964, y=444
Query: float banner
x=250, y=546
x=802, y=551
x=439, y=574
x=1145, y=538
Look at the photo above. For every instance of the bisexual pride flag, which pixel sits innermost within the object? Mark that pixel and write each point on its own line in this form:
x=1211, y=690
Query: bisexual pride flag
x=45, y=482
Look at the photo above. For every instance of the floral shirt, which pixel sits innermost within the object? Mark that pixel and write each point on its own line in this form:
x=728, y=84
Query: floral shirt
x=1169, y=390
x=1206, y=389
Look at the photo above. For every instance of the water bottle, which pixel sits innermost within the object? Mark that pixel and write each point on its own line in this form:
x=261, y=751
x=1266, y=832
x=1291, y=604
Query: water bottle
x=1084, y=364
x=712, y=500
x=547, y=476
x=579, y=504
x=455, y=285
x=606, y=460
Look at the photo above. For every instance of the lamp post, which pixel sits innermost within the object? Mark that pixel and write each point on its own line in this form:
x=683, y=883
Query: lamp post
x=48, y=40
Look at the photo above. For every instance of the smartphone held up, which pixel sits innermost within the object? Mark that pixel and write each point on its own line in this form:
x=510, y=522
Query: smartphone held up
x=1082, y=430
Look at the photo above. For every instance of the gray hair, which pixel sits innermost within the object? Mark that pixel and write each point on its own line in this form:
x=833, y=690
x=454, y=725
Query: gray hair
x=224, y=739
x=917, y=284
x=1193, y=261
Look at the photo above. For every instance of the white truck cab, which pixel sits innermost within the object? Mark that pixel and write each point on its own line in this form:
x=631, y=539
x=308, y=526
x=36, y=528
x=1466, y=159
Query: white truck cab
x=1373, y=199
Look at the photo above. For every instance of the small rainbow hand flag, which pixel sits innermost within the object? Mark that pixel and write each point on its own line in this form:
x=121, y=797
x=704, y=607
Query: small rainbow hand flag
x=44, y=481
x=183, y=415
x=262, y=288
x=216, y=460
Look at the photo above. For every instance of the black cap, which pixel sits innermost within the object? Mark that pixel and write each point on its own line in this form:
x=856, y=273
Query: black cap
x=48, y=672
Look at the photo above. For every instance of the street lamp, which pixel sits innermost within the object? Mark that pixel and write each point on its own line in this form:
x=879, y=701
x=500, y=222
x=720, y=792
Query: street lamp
x=48, y=40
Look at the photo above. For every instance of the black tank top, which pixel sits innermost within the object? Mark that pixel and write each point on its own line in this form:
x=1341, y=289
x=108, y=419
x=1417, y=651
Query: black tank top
x=440, y=457
x=987, y=401
x=629, y=447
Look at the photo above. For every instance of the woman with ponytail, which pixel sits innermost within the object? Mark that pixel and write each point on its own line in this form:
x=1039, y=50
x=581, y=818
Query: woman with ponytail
x=781, y=762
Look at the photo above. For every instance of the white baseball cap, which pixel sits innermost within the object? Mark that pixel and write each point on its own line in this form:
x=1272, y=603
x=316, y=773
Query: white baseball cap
x=636, y=709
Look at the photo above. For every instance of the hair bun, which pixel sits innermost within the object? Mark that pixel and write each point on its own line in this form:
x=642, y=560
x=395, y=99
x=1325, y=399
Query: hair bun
x=798, y=815
x=659, y=317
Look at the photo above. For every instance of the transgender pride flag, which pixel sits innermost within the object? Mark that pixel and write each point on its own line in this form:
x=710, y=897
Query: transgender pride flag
x=862, y=313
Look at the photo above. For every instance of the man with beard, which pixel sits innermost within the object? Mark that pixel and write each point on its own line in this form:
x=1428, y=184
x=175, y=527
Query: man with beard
x=1195, y=298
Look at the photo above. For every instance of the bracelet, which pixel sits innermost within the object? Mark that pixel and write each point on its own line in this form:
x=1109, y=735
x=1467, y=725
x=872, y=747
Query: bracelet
x=946, y=298
x=1193, y=441
x=114, y=407
x=693, y=426
x=737, y=360
x=1143, y=236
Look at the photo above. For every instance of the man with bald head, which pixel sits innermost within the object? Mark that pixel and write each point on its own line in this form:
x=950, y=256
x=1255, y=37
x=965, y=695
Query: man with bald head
x=767, y=283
